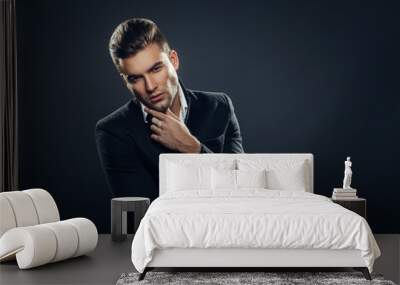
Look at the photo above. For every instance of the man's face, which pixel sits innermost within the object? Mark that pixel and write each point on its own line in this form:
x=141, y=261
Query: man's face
x=151, y=76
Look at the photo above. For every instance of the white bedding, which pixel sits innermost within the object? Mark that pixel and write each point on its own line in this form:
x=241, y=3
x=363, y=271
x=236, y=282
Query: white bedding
x=250, y=218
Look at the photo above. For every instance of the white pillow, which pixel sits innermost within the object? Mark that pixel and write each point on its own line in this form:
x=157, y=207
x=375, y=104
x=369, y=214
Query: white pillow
x=251, y=178
x=183, y=178
x=282, y=174
x=223, y=179
x=293, y=179
x=227, y=179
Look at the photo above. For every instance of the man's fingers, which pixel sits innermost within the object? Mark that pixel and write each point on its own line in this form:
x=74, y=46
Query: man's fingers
x=155, y=113
x=157, y=122
x=155, y=129
x=155, y=137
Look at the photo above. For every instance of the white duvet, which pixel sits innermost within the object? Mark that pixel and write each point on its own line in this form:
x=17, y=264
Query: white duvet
x=250, y=218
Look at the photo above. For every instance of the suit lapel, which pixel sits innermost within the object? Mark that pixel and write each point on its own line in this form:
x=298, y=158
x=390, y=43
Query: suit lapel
x=189, y=100
x=195, y=112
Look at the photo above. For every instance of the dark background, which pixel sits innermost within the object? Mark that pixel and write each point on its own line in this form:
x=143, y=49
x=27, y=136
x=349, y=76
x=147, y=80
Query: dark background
x=305, y=76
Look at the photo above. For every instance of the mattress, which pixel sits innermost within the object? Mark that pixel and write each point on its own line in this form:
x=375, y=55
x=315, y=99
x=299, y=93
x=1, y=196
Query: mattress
x=252, y=219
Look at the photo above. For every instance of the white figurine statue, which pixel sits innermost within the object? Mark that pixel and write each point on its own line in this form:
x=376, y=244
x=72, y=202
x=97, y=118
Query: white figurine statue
x=348, y=173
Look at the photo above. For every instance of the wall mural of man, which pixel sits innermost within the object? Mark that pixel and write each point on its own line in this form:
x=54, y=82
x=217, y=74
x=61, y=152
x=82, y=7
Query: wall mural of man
x=163, y=116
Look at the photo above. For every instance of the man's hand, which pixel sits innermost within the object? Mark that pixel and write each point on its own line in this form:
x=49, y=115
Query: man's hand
x=172, y=133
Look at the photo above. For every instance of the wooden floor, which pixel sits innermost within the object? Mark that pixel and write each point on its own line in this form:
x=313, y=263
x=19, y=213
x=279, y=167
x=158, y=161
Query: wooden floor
x=110, y=260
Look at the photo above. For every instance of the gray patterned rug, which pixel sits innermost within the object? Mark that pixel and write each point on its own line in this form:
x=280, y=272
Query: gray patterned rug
x=269, y=278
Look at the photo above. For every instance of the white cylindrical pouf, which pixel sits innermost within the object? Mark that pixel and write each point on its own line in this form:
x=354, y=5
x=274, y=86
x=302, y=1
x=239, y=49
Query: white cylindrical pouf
x=67, y=239
x=34, y=246
x=87, y=234
x=45, y=205
x=23, y=208
x=7, y=218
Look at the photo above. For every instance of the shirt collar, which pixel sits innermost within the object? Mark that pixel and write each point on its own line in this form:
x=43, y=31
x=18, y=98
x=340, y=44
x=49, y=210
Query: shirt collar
x=184, y=106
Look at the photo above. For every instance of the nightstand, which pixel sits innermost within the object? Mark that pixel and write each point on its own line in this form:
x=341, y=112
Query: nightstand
x=119, y=208
x=357, y=205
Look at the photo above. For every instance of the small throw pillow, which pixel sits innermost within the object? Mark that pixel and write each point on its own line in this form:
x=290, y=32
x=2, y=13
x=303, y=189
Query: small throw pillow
x=223, y=179
x=251, y=178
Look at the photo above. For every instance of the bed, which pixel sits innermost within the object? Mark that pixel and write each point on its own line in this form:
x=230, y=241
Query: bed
x=247, y=210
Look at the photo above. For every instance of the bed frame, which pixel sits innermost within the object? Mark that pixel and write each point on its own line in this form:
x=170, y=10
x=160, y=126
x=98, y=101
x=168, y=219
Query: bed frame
x=246, y=258
x=256, y=258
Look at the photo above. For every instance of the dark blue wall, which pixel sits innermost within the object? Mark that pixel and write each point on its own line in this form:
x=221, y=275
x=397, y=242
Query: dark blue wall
x=305, y=76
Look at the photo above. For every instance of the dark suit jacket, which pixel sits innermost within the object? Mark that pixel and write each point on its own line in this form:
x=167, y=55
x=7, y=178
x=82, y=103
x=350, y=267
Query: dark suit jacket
x=129, y=156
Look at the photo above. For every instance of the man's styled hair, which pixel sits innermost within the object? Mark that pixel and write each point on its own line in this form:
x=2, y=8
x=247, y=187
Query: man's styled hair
x=134, y=35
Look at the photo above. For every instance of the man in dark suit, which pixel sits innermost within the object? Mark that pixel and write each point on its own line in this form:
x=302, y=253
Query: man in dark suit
x=163, y=116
